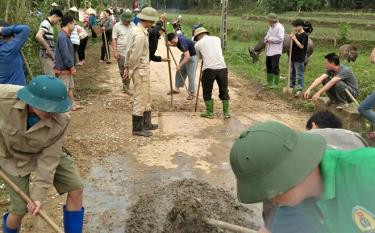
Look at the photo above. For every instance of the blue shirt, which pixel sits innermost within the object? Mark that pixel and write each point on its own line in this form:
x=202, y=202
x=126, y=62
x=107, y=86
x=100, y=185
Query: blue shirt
x=92, y=20
x=11, y=62
x=64, y=58
x=185, y=44
x=136, y=19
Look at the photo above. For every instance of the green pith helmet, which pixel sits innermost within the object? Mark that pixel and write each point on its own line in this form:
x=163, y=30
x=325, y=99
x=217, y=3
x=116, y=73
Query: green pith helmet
x=269, y=159
x=272, y=17
x=149, y=14
x=126, y=16
x=46, y=93
x=199, y=31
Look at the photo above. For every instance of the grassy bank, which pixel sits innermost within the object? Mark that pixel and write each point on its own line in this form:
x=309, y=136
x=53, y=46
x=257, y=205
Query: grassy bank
x=244, y=34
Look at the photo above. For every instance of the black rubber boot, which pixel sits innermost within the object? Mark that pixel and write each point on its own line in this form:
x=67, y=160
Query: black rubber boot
x=147, y=121
x=138, y=129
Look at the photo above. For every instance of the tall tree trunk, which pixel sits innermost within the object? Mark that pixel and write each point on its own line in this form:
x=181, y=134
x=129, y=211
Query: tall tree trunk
x=7, y=11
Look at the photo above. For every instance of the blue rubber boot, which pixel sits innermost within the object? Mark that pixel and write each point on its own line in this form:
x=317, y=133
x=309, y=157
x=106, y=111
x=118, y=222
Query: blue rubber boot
x=73, y=221
x=6, y=229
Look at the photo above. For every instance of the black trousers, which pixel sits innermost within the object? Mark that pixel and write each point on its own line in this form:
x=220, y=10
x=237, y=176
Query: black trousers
x=93, y=33
x=104, y=50
x=75, y=47
x=81, y=49
x=208, y=78
x=337, y=93
x=272, y=64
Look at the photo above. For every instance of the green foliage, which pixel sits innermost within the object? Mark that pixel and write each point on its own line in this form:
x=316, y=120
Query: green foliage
x=292, y=5
x=343, y=32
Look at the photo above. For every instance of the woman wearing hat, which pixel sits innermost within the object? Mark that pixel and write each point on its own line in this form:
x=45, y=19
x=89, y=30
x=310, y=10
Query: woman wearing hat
x=36, y=146
x=274, y=48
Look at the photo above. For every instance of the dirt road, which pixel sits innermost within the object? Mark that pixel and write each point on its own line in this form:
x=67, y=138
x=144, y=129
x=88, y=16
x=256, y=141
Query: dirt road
x=118, y=167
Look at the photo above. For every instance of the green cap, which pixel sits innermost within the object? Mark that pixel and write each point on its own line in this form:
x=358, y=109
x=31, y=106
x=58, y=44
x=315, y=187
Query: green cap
x=46, y=93
x=272, y=17
x=269, y=159
x=149, y=14
x=126, y=16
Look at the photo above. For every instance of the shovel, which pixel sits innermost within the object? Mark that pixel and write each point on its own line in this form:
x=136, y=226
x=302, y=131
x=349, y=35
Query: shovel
x=228, y=226
x=287, y=89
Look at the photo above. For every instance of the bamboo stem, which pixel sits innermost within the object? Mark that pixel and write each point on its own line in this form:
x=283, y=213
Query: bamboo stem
x=27, y=199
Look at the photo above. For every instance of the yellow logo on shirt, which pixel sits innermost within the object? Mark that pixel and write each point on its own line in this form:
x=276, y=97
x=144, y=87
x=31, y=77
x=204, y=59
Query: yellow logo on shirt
x=364, y=219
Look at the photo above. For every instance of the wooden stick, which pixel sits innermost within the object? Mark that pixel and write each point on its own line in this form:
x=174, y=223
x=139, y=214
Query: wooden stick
x=178, y=71
x=351, y=97
x=27, y=199
x=28, y=69
x=228, y=226
x=199, y=86
x=169, y=62
x=106, y=47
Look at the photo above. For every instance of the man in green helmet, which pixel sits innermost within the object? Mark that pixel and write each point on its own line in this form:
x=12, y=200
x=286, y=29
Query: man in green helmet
x=120, y=34
x=137, y=68
x=335, y=187
x=33, y=126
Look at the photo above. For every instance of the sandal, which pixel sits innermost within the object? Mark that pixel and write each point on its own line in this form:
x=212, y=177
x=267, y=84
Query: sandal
x=174, y=92
x=190, y=97
x=77, y=107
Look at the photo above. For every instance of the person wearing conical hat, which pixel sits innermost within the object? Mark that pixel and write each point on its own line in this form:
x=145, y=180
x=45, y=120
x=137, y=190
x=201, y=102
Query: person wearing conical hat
x=137, y=68
x=214, y=69
x=36, y=146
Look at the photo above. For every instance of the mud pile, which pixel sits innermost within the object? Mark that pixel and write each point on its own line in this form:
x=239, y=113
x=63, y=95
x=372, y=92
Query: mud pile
x=182, y=206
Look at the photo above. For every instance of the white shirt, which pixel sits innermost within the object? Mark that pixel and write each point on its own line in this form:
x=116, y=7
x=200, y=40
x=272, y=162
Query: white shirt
x=209, y=48
x=275, y=36
x=121, y=34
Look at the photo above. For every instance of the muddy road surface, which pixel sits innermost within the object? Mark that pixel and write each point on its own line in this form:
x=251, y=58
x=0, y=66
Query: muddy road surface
x=118, y=168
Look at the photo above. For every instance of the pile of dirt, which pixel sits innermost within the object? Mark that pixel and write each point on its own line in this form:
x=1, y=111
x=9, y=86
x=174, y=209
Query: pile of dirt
x=181, y=206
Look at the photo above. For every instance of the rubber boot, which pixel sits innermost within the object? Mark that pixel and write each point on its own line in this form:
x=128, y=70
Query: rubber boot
x=6, y=229
x=138, y=127
x=269, y=80
x=125, y=87
x=276, y=80
x=210, y=109
x=147, y=121
x=226, y=109
x=73, y=221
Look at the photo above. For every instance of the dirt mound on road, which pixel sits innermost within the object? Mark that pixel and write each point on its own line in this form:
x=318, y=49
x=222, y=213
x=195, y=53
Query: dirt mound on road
x=181, y=207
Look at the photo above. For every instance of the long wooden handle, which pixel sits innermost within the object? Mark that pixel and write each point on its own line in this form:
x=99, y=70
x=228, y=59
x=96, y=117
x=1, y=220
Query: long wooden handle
x=228, y=226
x=27, y=199
x=199, y=87
x=169, y=61
x=290, y=61
x=106, y=45
x=28, y=69
x=351, y=97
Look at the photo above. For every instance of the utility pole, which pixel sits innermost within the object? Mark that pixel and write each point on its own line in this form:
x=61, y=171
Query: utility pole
x=223, y=27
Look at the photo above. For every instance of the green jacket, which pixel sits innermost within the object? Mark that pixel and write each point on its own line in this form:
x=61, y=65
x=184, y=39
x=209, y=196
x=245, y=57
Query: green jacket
x=348, y=201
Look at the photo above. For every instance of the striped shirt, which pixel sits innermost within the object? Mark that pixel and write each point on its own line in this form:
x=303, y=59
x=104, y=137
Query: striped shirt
x=48, y=36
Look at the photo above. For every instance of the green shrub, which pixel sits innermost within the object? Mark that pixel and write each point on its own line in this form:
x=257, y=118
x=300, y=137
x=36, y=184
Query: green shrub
x=344, y=29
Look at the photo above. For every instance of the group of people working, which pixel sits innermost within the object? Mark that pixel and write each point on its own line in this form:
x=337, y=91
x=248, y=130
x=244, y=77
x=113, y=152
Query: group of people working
x=318, y=181
x=338, y=82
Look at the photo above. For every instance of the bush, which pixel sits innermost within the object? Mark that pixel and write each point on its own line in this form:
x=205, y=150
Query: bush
x=343, y=32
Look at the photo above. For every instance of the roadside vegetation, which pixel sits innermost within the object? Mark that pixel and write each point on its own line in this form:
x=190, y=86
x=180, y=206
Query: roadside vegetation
x=243, y=33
